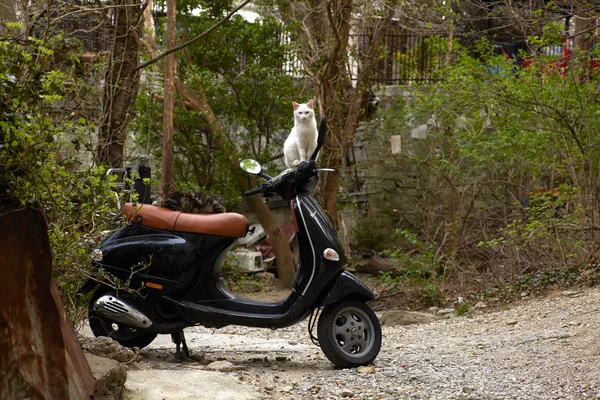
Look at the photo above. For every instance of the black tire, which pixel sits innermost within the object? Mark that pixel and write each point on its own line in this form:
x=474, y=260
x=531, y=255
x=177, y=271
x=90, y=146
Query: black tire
x=125, y=335
x=349, y=334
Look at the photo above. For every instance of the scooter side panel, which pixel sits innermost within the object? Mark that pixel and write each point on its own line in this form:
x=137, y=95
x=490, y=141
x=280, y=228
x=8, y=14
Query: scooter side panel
x=175, y=260
x=315, y=272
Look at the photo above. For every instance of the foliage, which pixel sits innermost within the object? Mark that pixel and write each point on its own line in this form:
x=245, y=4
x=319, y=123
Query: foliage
x=463, y=308
x=416, y=275
x=420, y=262
x=418, y=292
x=238, y=281
x=425, y=61
x=542, y=281
x=38, y=157
x=511, y=162
x=240, y=71
x=372, y=234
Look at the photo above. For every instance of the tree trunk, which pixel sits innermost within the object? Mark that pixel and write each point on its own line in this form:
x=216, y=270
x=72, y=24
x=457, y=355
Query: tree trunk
x=8, y=13
x=169, y=89
x=582, y=43
x=341, y=103
x=121, y=83
x=281, y=247
x=149, y=31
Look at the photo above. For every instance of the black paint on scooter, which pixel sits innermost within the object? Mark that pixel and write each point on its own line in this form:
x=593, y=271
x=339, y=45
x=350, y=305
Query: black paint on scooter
x=179, y=281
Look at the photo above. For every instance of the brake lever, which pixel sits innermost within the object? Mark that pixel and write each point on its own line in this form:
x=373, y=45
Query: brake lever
x=306, y=167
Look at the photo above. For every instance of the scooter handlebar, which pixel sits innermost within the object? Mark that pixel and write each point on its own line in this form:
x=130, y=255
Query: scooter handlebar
x=252, y=192
x=306, y=168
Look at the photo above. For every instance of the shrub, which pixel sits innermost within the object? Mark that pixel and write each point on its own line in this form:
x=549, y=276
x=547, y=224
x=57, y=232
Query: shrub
x=37, y=167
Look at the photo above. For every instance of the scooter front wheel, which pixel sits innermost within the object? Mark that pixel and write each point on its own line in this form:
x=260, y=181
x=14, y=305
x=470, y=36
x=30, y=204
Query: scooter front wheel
x=349, y=333
x=123, y=334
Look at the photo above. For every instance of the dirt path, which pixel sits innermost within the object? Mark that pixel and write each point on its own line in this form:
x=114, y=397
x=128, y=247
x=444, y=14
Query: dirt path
x=546, y=348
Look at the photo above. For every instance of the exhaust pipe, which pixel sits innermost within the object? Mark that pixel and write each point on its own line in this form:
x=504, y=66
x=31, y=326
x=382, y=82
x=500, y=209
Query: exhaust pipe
x=116, y=309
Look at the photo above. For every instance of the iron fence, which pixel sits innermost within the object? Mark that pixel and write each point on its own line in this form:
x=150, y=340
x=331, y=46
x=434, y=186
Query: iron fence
x=403, y=59
x=91, y=32
x=406, y=58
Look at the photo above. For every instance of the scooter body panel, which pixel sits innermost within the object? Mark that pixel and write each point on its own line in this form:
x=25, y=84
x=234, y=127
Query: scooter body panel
x=177, y=261
x=315, y=236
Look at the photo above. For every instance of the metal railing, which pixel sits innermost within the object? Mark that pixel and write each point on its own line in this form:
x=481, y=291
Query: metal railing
x=91, y=32
x=405, y=58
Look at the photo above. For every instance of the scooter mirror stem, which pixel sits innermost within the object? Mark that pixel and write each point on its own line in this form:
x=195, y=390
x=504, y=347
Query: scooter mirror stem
x=321, y=138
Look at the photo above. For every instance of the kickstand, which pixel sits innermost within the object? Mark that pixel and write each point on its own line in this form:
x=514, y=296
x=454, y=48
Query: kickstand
x=179, y=339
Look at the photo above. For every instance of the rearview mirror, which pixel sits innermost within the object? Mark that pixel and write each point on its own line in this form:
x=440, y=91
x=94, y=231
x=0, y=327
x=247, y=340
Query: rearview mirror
x=251, y=166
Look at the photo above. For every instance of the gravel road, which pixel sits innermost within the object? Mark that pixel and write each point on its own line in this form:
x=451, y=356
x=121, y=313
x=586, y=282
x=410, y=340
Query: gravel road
x=543, y=348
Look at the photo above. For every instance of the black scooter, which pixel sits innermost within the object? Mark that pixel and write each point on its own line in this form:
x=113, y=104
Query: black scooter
x=173, y=261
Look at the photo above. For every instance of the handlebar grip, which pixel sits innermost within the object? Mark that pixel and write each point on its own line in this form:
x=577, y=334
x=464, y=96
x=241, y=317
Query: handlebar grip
x=253, y=191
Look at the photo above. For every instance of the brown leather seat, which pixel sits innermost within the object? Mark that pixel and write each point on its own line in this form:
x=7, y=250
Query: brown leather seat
x=225, y=224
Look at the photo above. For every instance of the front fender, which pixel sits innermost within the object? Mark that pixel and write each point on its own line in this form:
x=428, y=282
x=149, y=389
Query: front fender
x=348, y=285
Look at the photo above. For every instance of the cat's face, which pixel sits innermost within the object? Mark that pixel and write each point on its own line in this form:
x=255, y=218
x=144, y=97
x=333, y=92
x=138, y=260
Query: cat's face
x=304, y=111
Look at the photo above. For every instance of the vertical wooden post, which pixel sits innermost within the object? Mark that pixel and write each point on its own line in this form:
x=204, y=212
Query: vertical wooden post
x=8, y=13
x=167, y=150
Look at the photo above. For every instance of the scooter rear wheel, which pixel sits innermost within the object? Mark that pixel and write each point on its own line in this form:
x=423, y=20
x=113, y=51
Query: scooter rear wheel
x=123, y=334
x=349, y=333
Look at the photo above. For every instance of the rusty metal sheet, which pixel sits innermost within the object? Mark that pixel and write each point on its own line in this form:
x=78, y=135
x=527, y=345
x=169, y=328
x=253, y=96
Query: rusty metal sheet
x=40, y=356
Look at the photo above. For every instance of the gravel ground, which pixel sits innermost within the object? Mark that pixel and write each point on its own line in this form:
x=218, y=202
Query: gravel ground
x=544, y=348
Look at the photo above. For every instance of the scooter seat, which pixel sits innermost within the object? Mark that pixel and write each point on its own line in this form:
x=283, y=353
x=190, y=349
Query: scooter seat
x=224, y=224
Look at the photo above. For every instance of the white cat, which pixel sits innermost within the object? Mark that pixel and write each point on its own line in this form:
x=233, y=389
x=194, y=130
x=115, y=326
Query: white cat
x=302, y=141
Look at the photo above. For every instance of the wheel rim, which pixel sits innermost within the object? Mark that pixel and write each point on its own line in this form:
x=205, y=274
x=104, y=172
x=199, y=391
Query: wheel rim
x=353, y=331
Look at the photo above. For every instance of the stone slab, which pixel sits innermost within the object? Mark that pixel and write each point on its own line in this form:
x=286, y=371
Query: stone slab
x=110, y=377
x=186, y=385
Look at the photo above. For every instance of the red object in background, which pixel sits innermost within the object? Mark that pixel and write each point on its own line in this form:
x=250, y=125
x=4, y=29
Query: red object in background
x=558, y=65
x=561, y=63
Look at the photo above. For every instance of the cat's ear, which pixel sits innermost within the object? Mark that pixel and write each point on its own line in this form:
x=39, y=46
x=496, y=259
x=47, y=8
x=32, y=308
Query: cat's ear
x=310, y=103
x=295, y=105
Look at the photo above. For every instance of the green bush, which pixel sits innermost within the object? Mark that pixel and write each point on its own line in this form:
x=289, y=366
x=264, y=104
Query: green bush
x=373, y=234
x=37, y=166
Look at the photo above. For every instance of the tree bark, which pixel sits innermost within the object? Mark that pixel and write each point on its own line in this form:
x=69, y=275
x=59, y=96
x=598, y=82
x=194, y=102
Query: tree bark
x=169, y=89
x=281, y=247
x=121, y=83
x=149, y=31
x=8, y=13
x=375, y=266
x=582, y=42
x=338, y=100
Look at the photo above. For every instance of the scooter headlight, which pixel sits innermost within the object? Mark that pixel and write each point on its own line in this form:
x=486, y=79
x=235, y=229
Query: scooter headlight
x=97, y=255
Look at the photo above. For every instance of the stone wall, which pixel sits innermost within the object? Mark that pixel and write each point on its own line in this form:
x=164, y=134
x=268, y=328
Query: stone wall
x=384, y=189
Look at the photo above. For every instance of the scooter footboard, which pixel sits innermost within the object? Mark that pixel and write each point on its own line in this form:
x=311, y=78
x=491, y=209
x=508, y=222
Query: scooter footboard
x=348, y=286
